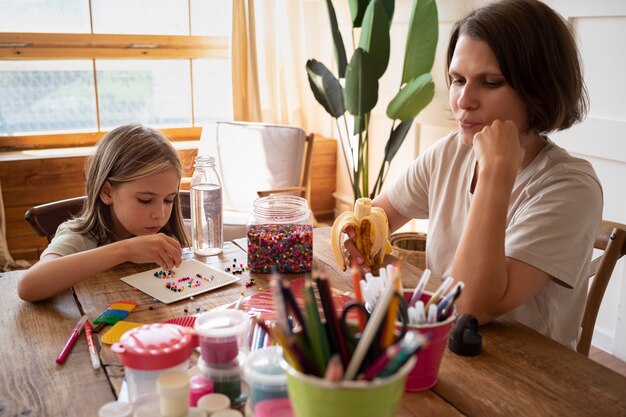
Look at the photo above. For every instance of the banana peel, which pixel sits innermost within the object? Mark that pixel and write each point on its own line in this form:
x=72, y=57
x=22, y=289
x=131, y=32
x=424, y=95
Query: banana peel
x=371, y=229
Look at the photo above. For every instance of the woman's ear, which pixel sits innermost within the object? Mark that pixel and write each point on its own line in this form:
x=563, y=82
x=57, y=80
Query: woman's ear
x=105, y=193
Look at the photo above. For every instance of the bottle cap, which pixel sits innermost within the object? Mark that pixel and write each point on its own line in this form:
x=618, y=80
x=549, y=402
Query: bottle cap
x=465, y=340
x=213, y=402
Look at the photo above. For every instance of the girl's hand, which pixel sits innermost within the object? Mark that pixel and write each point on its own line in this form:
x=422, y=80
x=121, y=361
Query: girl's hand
x=160, y=249
x=352, y=254
x=497, y=147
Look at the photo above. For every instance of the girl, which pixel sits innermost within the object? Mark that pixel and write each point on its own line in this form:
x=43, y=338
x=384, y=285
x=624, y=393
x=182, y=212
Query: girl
x=132, y=214
x=511, y=214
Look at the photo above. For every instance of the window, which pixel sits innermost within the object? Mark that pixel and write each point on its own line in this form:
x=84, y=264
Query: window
x=70, y=69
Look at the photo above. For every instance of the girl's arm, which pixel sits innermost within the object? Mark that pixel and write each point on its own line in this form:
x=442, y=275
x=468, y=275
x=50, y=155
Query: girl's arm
x=494, y=284
x=54, y=273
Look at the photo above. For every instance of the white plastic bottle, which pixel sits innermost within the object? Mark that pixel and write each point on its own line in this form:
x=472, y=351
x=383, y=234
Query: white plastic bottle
x=207, y=229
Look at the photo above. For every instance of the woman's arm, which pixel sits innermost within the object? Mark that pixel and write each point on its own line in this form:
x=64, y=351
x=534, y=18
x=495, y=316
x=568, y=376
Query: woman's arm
x=395, y=219
x=54, y=273
x=494, y=284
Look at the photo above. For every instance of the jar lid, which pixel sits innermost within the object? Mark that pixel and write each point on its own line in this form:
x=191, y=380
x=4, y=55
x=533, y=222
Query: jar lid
x=263, y=367
x=155, y=346
x=222, y=324
x=273, y=407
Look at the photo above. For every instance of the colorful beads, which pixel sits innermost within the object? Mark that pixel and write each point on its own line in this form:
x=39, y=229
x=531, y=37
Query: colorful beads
x=286, y=247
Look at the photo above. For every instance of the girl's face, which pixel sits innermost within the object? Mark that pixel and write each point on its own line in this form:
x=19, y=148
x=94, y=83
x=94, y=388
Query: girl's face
x=479, y=93
x=142, y=206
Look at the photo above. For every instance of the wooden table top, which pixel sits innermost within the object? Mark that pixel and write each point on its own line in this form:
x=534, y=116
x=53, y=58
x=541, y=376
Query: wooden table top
x=519, y=372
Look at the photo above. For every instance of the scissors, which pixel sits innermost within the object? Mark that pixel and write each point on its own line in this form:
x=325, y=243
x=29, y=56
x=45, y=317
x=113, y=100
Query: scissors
x=353, y=337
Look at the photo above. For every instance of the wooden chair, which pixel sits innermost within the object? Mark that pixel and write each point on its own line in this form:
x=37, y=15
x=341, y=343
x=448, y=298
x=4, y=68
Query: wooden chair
x=255, y=160
x=611, y=238
x=46, y=218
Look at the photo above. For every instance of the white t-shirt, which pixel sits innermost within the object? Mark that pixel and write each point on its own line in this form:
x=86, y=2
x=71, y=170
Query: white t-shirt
x=554, y=213
x=66, y=241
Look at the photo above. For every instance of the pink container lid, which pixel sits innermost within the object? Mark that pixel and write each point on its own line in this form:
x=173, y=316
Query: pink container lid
x=155, y=346
x=199, y=386
x=273, y=407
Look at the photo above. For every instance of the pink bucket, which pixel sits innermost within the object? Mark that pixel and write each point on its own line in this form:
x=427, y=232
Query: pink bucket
x=423, y=376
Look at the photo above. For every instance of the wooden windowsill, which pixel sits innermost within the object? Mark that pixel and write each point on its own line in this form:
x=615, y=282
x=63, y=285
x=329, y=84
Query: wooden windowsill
x=73, y=152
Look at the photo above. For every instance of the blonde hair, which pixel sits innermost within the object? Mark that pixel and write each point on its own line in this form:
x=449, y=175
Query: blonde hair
x=127, y=153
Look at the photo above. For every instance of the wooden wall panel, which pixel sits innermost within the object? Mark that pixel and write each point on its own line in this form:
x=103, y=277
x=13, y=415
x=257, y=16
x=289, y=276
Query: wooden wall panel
x=29, y=182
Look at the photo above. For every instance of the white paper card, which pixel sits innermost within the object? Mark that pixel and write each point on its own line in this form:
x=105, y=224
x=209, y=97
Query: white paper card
x=186, y=279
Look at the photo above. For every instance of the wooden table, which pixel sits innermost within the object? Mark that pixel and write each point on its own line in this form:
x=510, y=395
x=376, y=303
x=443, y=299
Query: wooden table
x=519, y=373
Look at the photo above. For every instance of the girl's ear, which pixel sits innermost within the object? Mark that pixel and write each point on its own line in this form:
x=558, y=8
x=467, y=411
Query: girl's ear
x=105, y=193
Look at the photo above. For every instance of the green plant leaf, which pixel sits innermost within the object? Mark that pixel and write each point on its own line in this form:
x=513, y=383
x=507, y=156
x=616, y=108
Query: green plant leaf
x=361, y=91
x=396, y=139
x=357, y=11
x=340, y=49
x=412, y=98
x=326, y=88
x=389, y=7
x=375, y=36
x=421, y=40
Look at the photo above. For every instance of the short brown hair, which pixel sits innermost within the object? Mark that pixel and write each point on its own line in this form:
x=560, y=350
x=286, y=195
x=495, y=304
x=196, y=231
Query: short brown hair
x=537, y=56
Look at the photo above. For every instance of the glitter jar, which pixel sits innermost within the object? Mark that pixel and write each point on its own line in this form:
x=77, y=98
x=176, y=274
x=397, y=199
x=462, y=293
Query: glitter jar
x=280, y=235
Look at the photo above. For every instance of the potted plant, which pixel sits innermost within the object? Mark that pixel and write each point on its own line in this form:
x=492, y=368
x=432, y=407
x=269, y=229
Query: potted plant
x=355, y=88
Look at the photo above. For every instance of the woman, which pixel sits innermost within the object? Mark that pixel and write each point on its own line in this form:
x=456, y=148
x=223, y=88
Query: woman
x=510, y=213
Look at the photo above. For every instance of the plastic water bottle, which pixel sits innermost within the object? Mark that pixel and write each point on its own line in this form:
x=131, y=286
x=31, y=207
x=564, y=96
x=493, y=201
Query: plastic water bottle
x=207, y=229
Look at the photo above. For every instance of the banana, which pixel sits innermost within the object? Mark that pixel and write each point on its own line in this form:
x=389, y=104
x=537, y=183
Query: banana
x=371, y=228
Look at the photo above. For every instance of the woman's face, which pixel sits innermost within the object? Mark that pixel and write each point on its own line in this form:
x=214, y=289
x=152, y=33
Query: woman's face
x=143, y=206
x=479, y=93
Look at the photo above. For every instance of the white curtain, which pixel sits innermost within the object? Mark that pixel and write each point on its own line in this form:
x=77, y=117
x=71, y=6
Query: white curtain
x=7, y=262
x=269, y=56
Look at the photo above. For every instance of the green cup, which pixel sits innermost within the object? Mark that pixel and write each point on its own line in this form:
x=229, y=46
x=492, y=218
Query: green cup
x=313, y=397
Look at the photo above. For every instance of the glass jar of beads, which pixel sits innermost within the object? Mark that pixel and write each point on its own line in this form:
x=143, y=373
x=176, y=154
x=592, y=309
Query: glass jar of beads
x=280, y=235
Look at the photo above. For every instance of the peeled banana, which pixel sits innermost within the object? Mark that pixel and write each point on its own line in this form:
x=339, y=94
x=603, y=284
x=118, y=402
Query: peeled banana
x=371, y=229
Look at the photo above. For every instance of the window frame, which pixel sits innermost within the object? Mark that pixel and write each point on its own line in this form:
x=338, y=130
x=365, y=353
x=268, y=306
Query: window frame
x=50, y=46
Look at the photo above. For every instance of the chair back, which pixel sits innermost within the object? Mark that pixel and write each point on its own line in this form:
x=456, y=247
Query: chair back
x=257, y=157
x=46, y=218
x=611, y=238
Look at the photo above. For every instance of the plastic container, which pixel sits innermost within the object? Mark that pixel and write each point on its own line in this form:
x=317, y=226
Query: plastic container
x=280, y=235
x=207, y=229
x=198, y=387
x=152, y=409
x=264, y=375
x=226, y=380
x=116, y=409
x=173, y=390
x=222, y=335
x=151, y=350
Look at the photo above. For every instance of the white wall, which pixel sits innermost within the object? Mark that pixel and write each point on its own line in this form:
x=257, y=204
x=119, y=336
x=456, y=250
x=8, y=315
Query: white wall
x=600, y=28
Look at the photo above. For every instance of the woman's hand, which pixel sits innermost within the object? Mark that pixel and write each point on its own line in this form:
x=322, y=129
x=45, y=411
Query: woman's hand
x=497, y=148
x=351, y=252
x=160, y=249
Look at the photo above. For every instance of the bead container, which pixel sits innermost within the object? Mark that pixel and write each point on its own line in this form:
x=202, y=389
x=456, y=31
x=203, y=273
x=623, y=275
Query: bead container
x=280, y=235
